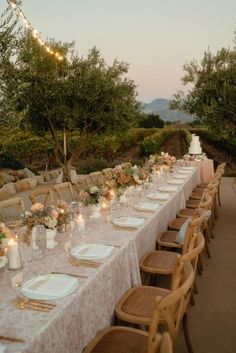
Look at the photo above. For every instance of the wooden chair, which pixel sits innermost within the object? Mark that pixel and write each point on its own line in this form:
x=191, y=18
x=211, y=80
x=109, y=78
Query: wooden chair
x=107, y=172
x=136, y=306
x=119, y=339
x=11, y=208
x=164, y=262
x=205, y=203
x=64, y=192
x=42, y=195
x=96, y=178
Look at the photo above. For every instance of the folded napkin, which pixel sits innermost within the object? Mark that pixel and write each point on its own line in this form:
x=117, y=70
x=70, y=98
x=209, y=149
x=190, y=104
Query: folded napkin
x=50, y=285
x=168, y=188
x=131, y=222
x=175, y=181
x=159, y=196
x=92, y=251
x=147, y=206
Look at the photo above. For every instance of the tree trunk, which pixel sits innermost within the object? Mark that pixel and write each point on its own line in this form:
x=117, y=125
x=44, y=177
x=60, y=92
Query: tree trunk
x=67, y=171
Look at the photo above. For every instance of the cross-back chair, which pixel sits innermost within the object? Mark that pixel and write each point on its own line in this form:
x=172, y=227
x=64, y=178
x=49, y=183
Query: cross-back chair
x=43, y=195
x=64, y=192
x=136, y=306
x=11, y=208
x=129, y=340
x=164, y=262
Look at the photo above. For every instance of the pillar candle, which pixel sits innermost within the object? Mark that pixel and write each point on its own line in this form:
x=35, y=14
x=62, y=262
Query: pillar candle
x=13, y=255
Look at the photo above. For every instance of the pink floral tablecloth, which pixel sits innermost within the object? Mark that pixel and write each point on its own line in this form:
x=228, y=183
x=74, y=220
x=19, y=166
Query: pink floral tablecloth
x=78, y=317
x=205, y=169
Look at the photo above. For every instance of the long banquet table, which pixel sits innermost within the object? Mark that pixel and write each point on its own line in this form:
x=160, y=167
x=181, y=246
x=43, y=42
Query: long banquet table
x=78, y=317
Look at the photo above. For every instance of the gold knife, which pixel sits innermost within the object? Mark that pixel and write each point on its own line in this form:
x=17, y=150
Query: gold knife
x=12, y=339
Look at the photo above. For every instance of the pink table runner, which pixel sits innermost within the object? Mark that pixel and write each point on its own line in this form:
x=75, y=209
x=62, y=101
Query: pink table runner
x=78, y=317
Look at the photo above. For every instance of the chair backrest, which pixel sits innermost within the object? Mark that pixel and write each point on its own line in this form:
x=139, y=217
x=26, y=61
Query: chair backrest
x=196, y=247
x=193, y=227
x=172, y=307
x=42, y=195
x=11, y=208
x=64, y=191
x=96, y=178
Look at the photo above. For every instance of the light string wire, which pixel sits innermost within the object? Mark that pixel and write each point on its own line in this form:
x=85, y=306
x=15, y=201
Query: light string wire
x=20, y=14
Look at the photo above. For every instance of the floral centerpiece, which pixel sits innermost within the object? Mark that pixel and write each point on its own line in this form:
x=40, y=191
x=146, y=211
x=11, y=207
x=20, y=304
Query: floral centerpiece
x=90, y=196
x=5, y=233
x=64, y=216
x=39, y=214
x=196, y=157
x=157, y=160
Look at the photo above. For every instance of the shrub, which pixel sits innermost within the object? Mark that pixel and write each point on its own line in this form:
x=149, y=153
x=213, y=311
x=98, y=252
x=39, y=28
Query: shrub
x=7, y=161
x=153, y=143
x=151, y=120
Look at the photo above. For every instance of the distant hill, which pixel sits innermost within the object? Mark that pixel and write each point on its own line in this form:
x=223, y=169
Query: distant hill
x=161, y=106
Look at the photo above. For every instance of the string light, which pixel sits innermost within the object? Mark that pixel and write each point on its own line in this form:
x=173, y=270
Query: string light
x=58, y=56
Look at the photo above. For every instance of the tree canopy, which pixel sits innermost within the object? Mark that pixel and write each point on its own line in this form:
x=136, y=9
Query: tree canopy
x=82, y=94
x=212, y=93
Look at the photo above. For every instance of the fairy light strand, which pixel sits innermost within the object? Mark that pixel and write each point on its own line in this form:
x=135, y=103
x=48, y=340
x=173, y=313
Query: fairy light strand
x=15, y=7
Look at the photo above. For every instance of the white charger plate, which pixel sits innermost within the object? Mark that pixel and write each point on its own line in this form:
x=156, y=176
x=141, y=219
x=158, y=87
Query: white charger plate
x=49, y=286
x=168, y=188
x=147, y=206
x=175, y=181
x=91, y=251
x=159, y=196
x=178, y=176
x=130, y=222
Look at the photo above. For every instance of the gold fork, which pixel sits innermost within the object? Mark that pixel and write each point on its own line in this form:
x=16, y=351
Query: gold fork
x=32, y=305
x=23, y=306
x=36, y=302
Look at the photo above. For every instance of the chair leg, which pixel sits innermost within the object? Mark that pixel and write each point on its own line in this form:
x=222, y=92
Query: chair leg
x=195, y=287
x=186, y=334
x=192, y=300
x=219, y=200
x=200, y=264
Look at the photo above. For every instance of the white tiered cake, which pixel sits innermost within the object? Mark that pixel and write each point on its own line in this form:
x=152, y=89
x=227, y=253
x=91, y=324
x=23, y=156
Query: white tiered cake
x=195, y=146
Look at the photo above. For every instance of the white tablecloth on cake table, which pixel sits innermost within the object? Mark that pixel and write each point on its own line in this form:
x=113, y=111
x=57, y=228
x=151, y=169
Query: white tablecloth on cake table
x=205, y=169
x=77, y=318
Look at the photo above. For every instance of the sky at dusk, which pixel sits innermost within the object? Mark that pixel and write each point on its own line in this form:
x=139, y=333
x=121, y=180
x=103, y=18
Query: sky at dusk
x=155, y=37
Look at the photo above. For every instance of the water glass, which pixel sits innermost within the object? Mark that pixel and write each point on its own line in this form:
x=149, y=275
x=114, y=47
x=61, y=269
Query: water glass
x=39, y=240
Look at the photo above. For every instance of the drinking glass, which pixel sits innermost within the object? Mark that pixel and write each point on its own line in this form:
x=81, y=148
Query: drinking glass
x=39, y=240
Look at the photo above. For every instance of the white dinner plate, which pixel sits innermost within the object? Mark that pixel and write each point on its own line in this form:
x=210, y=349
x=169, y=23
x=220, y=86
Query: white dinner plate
x=187, y=168
x=175, y=181
x=91, y=251
x=159, y=196
x=178, y=176
x=130, y=222
x=49, y=286
x=147, y=206
x=183, y=171
x=168, y=188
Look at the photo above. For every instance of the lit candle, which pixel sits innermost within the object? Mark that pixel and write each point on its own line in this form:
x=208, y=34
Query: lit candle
x=13, y=255
x=81, y=223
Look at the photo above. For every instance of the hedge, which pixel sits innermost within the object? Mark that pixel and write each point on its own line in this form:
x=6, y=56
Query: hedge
x=153, y=143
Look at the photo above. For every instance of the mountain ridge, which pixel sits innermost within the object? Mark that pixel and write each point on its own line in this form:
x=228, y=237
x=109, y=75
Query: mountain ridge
x=161, y=106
